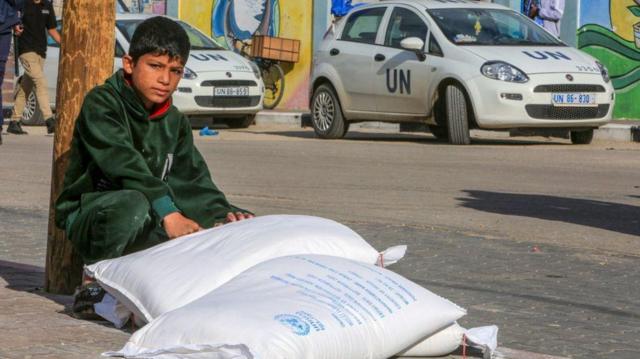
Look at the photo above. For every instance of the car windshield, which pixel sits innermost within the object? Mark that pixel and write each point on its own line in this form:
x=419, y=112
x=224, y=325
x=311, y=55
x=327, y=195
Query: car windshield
x=491, y=27
x=197, y=39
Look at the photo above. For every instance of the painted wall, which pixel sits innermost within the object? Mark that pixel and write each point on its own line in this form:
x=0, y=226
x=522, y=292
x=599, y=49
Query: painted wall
x=610, y=31
x=284, y=18
x=158, y=7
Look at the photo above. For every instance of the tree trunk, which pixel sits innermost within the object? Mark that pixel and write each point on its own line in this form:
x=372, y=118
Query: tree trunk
x=86, y=60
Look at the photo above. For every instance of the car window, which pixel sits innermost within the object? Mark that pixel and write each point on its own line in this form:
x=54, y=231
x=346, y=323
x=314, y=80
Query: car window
x=434, y=47
x=362, y=26
x=119, y=52
x=404, y=23
x=490, y=27
x=197, y=39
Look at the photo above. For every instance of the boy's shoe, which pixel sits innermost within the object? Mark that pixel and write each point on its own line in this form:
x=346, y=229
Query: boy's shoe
x=84, y=298
x=15, y=128
x=51, y=125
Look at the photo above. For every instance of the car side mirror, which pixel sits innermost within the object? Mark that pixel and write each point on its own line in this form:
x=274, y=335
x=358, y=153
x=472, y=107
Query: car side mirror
x=414, y=44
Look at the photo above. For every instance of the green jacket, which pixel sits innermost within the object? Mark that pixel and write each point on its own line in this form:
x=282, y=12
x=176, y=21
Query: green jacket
x=118, y=144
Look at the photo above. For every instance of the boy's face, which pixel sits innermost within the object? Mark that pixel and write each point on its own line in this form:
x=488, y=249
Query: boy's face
x=154, y=77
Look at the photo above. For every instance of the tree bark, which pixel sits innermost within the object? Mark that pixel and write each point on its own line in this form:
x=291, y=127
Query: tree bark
x=86, y=60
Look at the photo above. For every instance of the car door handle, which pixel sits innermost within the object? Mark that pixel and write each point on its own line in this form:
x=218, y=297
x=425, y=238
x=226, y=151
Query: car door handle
x=334, y=52
x=379, y=57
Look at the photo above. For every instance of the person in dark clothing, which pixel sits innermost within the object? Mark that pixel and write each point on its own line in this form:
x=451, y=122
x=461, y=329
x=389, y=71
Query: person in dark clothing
x=9, y=20
x=38, y=20
x=135, y=178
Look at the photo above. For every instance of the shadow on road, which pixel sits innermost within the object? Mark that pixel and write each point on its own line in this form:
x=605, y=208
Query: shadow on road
x=27, y=278
x=611, y=216
x=424, y=138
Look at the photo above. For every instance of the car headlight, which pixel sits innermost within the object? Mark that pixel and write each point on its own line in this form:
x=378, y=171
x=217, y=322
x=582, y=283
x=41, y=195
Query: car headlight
x=188, y=74
x=255, y=68
x=603, y=71
x=503, y=71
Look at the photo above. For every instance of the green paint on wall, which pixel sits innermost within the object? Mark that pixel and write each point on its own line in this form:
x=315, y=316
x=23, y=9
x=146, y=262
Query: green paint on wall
x=622, y=59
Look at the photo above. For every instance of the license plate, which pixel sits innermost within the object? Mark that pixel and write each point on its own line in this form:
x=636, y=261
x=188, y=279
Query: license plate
x=573, y=99
x=231, y=91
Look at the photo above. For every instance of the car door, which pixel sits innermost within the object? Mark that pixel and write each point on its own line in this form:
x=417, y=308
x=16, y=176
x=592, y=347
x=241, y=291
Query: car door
x=401, y=77
x=352, y=57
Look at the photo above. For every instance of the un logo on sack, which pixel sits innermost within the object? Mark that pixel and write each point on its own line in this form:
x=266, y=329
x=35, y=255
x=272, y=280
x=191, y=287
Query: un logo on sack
x=297, y=325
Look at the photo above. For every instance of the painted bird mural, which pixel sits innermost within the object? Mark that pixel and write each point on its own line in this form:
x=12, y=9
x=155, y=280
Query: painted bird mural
x=242, y=19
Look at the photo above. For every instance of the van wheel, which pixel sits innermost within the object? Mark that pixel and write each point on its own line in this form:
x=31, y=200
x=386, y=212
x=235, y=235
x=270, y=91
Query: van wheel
x=326, y=114
x=31, y=116
x=583, y=137
x=457, y=116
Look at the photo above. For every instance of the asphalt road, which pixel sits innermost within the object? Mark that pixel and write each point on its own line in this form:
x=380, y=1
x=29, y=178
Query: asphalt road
x=537, y=236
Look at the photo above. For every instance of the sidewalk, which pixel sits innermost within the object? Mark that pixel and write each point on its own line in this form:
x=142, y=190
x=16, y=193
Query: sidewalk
x=616, y=131
x=35, y=324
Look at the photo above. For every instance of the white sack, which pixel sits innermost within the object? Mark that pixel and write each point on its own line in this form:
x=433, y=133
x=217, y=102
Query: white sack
x=306, y=306
x=449, y=339
x=170, y=275
x=439, y=344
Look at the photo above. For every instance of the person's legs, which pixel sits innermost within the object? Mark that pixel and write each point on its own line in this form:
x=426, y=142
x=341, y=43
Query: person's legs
x=109, y=225
x=42, y=94
x=112, y=224
x=23, y=88
x=5, y=47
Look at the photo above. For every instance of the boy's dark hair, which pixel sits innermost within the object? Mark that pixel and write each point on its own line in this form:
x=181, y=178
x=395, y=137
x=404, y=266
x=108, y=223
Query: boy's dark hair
x=160, y=36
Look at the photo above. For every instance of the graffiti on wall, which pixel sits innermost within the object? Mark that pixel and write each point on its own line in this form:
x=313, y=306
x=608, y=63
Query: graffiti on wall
x=157, y=7
x=226, y=19
x=610, y=31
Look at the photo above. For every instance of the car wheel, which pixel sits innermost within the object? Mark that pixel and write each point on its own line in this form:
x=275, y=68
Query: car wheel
x=582, y=137
x=326, y=114
x=243, y=122
x=457, y=116
x=31, y=116
x=439, y=132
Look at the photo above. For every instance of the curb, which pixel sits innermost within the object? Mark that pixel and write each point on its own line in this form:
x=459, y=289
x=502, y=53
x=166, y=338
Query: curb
x=616, y=132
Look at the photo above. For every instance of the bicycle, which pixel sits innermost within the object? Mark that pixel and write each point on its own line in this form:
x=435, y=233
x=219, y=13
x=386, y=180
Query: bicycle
x=270, y=70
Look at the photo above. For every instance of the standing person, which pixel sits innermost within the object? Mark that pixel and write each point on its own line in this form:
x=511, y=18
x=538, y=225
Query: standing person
x=550, y=11
x=38, y=20
x=9, y=19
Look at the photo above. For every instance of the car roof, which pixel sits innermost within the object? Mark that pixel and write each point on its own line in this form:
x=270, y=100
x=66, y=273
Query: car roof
x=443, y=4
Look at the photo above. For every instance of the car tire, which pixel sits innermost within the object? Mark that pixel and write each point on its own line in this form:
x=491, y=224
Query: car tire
x=326, y=114
x=582, y=137
x=32, y=116
x=457, y=116
x=439, y=132
x=243, y=122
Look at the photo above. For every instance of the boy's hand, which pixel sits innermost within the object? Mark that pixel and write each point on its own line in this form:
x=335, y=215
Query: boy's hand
x=176, y=225
x=18, y=29
x=234, y=217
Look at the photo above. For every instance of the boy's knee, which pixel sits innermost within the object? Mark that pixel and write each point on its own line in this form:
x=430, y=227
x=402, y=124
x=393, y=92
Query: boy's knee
x=129, y=202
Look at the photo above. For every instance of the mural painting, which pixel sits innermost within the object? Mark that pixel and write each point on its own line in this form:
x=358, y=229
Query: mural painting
x=241, y=19
x=157, y=7
x=610, y=31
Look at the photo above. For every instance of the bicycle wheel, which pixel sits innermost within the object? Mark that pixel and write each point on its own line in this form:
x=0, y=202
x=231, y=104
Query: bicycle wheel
x=273, y=77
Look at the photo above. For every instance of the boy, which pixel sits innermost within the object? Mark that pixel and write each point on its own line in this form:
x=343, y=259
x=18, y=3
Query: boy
x=135, y=178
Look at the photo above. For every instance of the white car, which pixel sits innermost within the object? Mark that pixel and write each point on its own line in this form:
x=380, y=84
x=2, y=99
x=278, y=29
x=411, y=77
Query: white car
x=454, y=65
x=218, y=85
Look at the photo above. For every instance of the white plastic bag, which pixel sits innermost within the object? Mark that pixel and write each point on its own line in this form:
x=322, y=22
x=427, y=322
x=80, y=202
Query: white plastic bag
x=306, y=306
x=170, y=275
